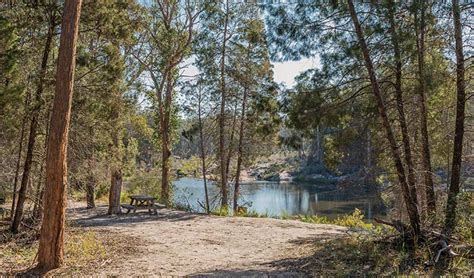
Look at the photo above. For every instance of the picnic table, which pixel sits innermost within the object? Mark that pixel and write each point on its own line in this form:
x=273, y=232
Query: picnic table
x=141, y=202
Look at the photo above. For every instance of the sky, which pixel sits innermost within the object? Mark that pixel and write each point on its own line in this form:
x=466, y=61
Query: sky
x=283, y=72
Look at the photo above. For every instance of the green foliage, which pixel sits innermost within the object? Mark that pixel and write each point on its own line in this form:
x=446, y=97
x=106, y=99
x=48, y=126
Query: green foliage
x=314, y=219
x=142, y=182
x=220, y=211
x=252, y=213
x=190, y=166
x=353, y=220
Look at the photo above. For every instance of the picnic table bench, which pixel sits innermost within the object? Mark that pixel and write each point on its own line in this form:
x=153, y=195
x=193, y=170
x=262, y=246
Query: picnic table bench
x=142, y=202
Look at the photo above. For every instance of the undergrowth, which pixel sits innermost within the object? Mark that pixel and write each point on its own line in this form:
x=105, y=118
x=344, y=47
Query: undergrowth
x=85, y=250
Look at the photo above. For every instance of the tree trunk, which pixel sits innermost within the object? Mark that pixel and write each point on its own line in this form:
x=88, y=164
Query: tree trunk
x=90, y=183
x=51, y=242
x=166, y=141
x=20, y=152
x=400, y=104
x=38, y=211
x=115, y=192
x=450, y=221
x=223, y=171
x=230, y=146
x=409, y=201
x=33, y=127
x=426, y=155
x=240, y=152
x=90, y=191
x=203, y=152
x=38, y=192
x=116, y=175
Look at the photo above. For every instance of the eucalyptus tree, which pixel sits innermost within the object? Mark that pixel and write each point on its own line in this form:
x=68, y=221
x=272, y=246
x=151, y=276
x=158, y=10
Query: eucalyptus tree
x=165, y=44
x=51, y=243
x=253, y=73
x=232, y=56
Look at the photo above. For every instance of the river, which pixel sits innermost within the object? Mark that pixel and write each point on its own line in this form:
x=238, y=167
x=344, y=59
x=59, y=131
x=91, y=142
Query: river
x=278, y=199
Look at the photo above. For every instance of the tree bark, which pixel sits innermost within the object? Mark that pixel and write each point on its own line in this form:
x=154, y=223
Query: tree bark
x=203, y=151
x=51, y=242
x=409, y=201
x=115, y=192
x=224, y=203
x=240, y=152
x=400, y=104
x=451, y=205
x=90, y=190
x=166, y=141
x=426, y=155
x=116, y=175
x=33, y=128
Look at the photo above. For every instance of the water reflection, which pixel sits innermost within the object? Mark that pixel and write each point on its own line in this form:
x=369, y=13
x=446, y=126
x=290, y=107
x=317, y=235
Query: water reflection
x=292, y=199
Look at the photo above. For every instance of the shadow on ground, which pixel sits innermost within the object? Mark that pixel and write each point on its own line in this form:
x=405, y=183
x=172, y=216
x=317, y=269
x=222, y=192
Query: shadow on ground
x=249, y=273
x=98, y=217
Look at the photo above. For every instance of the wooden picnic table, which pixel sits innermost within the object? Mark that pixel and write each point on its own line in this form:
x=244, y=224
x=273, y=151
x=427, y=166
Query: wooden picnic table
x=141, y=202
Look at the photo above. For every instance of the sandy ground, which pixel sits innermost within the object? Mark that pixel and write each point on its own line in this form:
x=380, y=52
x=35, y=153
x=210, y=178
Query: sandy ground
x=179, y=243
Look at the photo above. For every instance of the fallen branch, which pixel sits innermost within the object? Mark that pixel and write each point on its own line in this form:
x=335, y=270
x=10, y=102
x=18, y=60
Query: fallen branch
x=398, y=225
x=445, y=247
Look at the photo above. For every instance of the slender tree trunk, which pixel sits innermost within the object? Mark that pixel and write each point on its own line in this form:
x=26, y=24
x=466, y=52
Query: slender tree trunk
x=38, y=211
x=203, y=152
x=115, y=192
x=231, y=144
x=20, y=152
x=51, y=242
x=116, y=175
x=240, y=152
x=224, y=203
x=38, y=191
x=426, y=155
x=90, y=183
x=33, y=129
x=450, y=221
x=409, y=201
x=166, y=141
x=90, y=186
x=400, y=104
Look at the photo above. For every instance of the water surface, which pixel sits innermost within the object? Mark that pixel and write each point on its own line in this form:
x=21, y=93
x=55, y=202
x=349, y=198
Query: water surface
x=276, y=199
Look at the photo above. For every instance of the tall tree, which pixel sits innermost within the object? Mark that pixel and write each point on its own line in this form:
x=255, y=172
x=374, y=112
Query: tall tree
x=166, y=43
x=422, y=93
x=394, y=34
x=50, y=11
x=459, y=126
x=51, y=244
x=222, y=114
x=408, y=197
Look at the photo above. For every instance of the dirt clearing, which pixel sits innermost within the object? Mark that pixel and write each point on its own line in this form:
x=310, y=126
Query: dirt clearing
x=182, y=243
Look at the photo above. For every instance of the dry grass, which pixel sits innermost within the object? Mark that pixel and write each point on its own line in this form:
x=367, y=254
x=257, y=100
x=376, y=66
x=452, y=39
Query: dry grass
x=86, y=251
x=367, y=255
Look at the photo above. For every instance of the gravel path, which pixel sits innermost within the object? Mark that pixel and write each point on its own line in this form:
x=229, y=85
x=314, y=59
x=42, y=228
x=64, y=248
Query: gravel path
x=180, y=243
